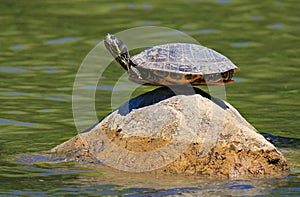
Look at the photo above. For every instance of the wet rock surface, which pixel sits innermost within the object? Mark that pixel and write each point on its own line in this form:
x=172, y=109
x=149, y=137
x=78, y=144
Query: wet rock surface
x=181, y=131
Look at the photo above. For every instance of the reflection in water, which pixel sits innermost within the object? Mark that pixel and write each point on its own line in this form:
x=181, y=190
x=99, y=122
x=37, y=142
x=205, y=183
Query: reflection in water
x=98, y=179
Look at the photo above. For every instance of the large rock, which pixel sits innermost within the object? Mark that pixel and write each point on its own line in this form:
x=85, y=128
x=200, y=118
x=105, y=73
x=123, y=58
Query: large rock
x=182, y=131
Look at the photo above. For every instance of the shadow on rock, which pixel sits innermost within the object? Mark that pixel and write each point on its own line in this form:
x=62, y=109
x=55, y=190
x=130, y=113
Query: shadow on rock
x=164, y=93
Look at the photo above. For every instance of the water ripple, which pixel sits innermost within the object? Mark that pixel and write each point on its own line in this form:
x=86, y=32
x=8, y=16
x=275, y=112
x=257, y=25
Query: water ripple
x=55, y=71
x=276, y=26
x=147, y=23
x=146, y=6
x=130, y=5
x=205, y=31
x=224, y=1
x=61, y=40
x=16, y=93
x=278, y=4
x=18, y=47
x=241, y=44
x=107, y=87
x=55, y=97
x=45, y=110
x=13, y=122
x=188, y=26
x=50, y=69
x=256, y=18
x=16, y=112
x=12, y=69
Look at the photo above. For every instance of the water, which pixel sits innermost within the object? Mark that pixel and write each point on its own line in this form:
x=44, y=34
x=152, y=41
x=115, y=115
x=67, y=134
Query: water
x=44, y=42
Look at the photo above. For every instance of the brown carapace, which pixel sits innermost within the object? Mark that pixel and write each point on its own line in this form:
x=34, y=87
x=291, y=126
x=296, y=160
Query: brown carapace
x=173, y=64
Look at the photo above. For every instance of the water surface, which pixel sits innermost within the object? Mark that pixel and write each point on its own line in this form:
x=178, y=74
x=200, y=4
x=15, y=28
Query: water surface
x=44, y=42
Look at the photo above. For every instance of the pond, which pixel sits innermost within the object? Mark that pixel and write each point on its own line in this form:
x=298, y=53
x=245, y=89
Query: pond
x=43, y=45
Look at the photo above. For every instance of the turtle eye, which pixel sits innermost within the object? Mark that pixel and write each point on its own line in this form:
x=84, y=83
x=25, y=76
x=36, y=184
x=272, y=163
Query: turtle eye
x=119, y=47
x=113, y=45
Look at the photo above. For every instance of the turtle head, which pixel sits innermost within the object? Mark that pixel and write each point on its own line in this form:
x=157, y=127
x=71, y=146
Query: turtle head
x=118, y=50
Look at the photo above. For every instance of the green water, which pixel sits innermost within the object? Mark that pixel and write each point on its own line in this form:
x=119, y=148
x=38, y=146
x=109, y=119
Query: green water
x=44, y=42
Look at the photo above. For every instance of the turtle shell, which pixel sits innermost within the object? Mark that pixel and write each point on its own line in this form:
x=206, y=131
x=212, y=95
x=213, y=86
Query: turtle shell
x=181, y=63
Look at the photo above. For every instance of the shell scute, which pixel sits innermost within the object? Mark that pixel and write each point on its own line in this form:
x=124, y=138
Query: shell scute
x=183, y=63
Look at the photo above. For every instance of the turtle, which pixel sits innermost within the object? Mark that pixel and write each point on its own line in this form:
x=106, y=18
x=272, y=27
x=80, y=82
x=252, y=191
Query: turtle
x=173, y=64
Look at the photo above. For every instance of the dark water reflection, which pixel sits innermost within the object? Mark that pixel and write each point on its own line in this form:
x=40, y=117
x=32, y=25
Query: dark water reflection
x=44, y=42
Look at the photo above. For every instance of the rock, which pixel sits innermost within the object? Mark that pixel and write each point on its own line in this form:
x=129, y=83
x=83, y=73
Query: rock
x=182, y=131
